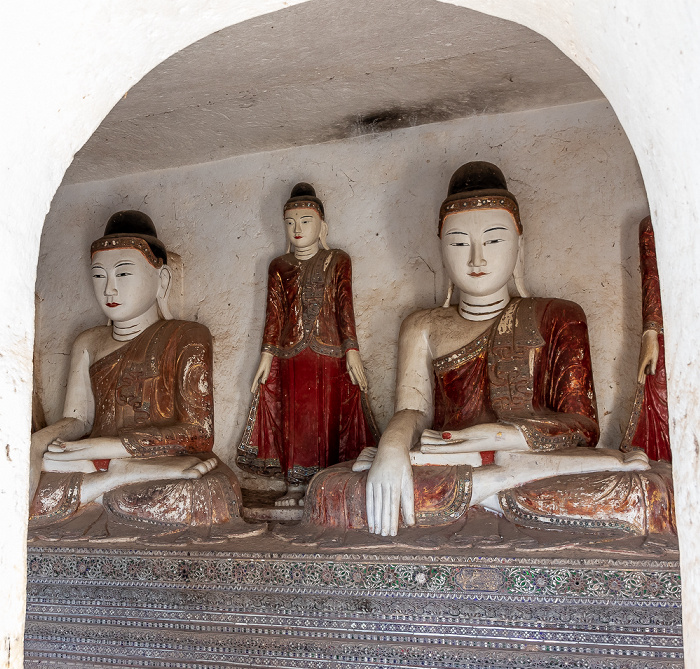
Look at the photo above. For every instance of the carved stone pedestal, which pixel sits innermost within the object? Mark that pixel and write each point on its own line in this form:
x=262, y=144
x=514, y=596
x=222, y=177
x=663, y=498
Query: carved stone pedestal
x=106, y=607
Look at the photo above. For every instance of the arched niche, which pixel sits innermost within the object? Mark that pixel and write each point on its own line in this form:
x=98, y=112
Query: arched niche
x=626, y=55
x=210, y=142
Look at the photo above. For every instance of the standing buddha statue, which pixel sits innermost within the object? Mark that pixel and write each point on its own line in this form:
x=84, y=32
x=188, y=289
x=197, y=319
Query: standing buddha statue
x=309, y=408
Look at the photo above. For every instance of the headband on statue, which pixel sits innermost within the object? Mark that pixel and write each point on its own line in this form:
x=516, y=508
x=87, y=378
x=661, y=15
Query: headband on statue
x=479, y=185
x=303, y=196
x=132, y=230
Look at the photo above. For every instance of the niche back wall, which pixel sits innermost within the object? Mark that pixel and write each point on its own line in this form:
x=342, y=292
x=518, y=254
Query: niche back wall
x=572, y=169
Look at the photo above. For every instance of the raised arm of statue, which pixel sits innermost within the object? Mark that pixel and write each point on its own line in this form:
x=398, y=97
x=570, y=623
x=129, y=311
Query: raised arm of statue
x=346, y=322
x=79, y=409
x=345, y=311
x=274, y=322
x=648, y=427
x=652, y=314
x=80, y=401
x=78, y=412
x=275, y=312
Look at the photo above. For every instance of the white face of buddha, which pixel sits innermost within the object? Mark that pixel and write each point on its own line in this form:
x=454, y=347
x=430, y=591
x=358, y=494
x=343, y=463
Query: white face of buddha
x=126, y=284
x=480, y=249
x=303, y=227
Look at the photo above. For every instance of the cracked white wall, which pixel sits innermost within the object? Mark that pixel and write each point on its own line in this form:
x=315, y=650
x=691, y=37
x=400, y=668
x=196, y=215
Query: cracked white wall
x=571, y=167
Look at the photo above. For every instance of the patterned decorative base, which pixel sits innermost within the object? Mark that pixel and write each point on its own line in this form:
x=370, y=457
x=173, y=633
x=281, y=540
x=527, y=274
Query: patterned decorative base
x=98, y=607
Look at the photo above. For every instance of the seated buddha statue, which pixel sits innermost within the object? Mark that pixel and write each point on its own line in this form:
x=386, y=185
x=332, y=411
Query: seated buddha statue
x=138, y=422
x=495, y=403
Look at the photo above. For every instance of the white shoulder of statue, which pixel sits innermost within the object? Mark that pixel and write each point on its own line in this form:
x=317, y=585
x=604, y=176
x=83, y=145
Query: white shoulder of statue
x=87, y=339
x=422, y=321
x=416, y=330
x=91, y=344
x=432, y=326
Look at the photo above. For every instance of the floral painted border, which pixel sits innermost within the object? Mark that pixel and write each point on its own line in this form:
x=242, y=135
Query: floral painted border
x=615, y=580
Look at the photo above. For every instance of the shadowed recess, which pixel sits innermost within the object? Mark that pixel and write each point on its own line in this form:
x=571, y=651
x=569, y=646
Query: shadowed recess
x=327, y=70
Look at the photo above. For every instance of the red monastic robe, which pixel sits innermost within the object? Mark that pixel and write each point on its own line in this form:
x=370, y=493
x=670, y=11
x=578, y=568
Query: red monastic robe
x=308, y=415
x=155, y=393
x=648, y=427
x=531, y=369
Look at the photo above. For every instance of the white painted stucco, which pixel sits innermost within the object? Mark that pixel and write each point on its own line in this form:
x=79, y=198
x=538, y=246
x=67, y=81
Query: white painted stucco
x=571, y=168
x=66, y=64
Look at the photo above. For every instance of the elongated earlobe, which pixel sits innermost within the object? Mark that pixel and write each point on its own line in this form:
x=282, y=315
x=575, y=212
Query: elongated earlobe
x=450, y=290
x=323, y=235
x=166, y=280
x=519, y=272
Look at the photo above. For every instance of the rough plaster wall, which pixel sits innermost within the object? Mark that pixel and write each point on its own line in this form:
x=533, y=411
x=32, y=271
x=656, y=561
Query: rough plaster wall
x=370, y=65
x=571, y=168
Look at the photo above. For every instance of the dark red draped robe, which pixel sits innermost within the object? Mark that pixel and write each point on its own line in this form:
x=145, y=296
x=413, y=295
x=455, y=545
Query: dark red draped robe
x=648, y=428
x=155, y=394
x=308, y=415
x=531, y=369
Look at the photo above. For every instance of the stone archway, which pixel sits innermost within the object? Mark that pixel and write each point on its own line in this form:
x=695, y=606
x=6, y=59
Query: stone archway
x=69, y=66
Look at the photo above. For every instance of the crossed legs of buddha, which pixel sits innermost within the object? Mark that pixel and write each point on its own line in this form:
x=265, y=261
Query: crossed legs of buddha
x=516, y=468
x=126, y=471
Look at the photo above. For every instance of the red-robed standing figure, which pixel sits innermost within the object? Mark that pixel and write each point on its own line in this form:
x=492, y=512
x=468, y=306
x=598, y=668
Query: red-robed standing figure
x=648, y=427
x=309, y=410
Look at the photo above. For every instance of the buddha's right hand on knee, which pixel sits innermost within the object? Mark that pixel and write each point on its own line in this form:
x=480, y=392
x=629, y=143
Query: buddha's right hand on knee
x=389, y=489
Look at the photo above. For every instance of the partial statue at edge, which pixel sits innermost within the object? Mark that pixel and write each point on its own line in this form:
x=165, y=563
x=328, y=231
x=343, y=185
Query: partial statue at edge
x=648, y=426
x=309, y=408
x=135, y=443
x=496, y=397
